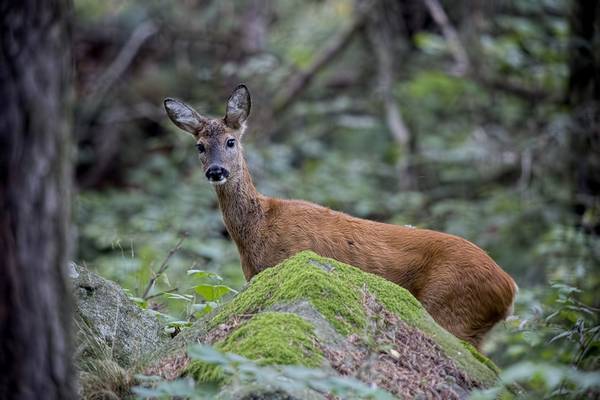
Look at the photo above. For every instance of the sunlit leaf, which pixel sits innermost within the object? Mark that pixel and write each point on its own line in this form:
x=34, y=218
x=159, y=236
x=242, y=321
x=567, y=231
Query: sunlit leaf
x=139, y=301
x=180, y=297
x=196, y=273
x=179, y=324
x=213, y=292
x=165, y=279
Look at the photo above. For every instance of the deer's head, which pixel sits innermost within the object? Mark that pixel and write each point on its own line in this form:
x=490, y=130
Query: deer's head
x=218, y=140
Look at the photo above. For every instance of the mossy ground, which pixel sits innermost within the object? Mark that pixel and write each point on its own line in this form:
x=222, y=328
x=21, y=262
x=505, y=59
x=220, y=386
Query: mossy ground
x=268, y=338
x=335, y=289
x=339, y=302
x=481, y=358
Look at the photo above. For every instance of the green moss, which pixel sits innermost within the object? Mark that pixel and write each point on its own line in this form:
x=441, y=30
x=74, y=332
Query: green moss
x=270, y=338
x=339, y=302
x=205, y=373
x=275, y=338
x=393, y=297
x=335, y=290
x=332, y=287
x=481, y=358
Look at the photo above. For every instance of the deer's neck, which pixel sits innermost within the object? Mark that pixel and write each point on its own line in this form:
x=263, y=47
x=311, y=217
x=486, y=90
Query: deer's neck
x=242, y=210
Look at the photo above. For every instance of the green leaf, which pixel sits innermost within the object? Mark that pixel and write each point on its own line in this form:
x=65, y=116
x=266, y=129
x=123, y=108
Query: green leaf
x=207, y=354
x=200, y=274
x=565, y=289
x=139, y=301
x=179, y=324
x=203, y=308
x=181, y=297
x=213, y=292
x=559, y=336
x=165, y=279
x=182, y=388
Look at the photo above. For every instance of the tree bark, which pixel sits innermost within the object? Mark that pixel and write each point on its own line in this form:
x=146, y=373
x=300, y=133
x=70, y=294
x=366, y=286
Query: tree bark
x=35, y=191
x=584, y=98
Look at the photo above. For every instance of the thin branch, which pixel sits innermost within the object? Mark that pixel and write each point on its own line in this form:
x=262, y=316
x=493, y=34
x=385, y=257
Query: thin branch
x=394, y=120
x=120, y=64
x=463, y=65
x=515, y=89
x=585, y=348
x=143, y=110
x=161, y=294
x=302, y=80
x=458, y=51
x=381, y=44
x=163, y=267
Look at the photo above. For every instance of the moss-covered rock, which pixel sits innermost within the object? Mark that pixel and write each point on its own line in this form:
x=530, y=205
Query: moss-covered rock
x=335, y=290
x=318, y=312
x=269, y=338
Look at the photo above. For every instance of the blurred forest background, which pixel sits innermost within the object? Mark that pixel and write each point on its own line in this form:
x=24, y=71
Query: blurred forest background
x=478, y=118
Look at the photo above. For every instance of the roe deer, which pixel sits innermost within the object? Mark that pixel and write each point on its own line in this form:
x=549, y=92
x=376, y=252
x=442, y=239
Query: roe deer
x=462, y=288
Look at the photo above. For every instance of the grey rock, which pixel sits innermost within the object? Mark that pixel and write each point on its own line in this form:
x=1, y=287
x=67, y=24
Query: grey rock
x=106, y=318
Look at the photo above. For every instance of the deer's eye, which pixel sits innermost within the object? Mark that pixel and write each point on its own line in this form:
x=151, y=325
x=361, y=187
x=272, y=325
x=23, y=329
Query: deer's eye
x=200, y=147
x=230, y=142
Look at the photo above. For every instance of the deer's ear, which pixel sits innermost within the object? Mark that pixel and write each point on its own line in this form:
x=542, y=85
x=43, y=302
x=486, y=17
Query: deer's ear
x=184, y=116
x=238, y=107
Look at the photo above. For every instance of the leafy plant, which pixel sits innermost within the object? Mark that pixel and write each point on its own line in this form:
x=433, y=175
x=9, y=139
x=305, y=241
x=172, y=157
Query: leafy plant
x=202, y=293
x=562, y=344
x=241, y=370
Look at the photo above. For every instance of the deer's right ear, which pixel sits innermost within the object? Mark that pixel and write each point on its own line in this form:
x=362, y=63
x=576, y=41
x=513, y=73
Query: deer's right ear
x=184, y=116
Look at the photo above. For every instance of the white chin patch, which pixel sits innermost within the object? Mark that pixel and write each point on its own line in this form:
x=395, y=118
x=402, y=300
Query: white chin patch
x=217, y=183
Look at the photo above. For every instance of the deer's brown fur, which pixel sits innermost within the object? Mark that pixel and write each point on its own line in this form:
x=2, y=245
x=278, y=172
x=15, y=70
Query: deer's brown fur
x=462, y=288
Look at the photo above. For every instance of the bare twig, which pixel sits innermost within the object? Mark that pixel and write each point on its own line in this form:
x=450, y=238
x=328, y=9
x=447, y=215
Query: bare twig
x=394, y=120
x=463, y=65
x=161, y=294
x=515, y=89
x=120, y=64
x=301, y=80
x=583, y=349
x=108, y=142
x=381, y=43
x=163, y=267
x=143, y=110
x=458, y=51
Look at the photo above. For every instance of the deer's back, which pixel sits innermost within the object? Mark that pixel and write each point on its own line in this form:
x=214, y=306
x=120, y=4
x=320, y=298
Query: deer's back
x=398, y=253
x=457, y=282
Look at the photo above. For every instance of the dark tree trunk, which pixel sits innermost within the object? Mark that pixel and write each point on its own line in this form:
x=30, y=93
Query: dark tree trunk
x=584, y=99
x=35, y=183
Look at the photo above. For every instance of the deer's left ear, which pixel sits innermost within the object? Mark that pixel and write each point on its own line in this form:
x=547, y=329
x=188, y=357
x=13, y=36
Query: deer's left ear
x=238, y=107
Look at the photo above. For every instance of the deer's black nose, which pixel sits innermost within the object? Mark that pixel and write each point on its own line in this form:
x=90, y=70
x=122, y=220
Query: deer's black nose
x=216, y=173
